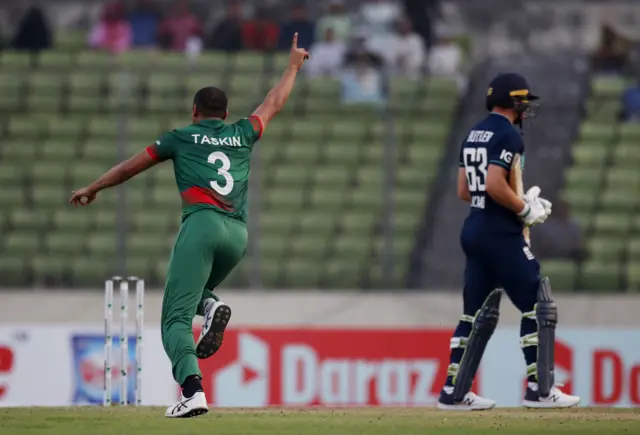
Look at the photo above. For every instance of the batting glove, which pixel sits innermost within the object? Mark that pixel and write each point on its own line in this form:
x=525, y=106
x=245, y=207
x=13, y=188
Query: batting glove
x=533, y=212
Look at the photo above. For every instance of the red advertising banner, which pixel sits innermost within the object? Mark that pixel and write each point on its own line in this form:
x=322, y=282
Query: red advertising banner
x=328, y=367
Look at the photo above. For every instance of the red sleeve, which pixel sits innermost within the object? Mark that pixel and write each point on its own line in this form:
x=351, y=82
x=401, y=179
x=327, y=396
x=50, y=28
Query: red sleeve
x=153, y=153
x=258, y=125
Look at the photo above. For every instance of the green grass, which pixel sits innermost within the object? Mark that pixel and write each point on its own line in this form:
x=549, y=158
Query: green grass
x=360, y=421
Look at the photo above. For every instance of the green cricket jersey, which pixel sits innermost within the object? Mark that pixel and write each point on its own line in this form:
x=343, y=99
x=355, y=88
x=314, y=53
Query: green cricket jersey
x=211, y=161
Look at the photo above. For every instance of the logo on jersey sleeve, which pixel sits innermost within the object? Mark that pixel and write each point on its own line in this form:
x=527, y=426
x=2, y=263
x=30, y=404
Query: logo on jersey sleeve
x=506, y=156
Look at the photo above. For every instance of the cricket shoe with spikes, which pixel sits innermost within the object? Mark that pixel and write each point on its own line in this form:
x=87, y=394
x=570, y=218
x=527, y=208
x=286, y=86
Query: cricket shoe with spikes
x=216, y=319
x=556, y=399
x=471, y=402
x=188, y=406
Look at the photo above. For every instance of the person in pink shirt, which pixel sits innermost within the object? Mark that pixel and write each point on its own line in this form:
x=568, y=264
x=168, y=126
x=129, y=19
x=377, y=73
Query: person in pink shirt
x=113, y=32
x=179, y=27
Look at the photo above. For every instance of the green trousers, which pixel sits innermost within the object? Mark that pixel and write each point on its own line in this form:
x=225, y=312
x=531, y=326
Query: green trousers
x=209, y=245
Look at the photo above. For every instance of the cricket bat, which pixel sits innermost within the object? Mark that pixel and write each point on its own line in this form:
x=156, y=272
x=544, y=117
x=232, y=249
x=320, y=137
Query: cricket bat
x=515, y=180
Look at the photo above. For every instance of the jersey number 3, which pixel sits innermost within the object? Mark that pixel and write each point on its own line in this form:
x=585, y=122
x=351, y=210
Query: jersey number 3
x=223, y=171
x=475, y=165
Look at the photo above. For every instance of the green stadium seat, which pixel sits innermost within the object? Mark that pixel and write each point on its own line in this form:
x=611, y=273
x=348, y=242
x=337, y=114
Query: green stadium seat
x=55, y=60
x=48, y=195
x=95, y=60
x=616, y=199
x=342, y=152
x=23, y=219
x=562, y=273
x=624, y=179
x=310, y=246
x=606, y=248
x=323, y=198
x=369, y=199
x=589, y=154
x=276, y=223
x=70, y=40
x=441, y=86
x=608, y=86
x=58, y=150
x=612, y=224
x=627, y=155
x=595, y=132
x=65, y=244
x=351, y=246
x=630, y=131
x=357, y=222
x=91, y=272
x=11, y=175
x=302, y=273
x=633, y=276
x=71, y=219
x=601, y=277
x=211, y=61
x=70, y=127
x=23, y=243
x=101, y=245
x=14, y=271
x=18, y=151
x=13, y=197
x=298, y=151
x=579, y=178
x=281, y=198
x=16, y=60
x=26, y=128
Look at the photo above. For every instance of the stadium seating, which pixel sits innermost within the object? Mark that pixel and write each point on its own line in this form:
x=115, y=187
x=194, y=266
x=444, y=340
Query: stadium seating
x=318, y=201
x=602, y=187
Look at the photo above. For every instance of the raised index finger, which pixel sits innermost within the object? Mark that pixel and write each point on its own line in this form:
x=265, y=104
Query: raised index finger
x=294, y=43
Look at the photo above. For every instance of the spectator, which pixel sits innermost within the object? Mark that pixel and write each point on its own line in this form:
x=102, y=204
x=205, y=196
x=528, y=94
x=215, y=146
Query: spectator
x=560, y=236
x=33, y=32
x=227, y=35
x=113, y=32
x=299, y=23
x=181, y=29
x=326, y=56
x=631, y=103
x=613, y=53
x=145, y=21
x=405, y=52
x=445, y=57
x=361, y=79
x=336, y=20
x=261, y=33
x=379, y=16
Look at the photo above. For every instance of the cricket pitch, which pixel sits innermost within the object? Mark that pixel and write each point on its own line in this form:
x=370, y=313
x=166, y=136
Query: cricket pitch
x=320, y=421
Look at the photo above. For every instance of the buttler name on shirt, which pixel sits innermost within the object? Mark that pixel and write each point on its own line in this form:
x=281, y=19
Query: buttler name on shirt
x=223, y=141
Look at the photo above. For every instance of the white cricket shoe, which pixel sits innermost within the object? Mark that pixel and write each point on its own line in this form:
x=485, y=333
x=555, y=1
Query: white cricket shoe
x=471, y=402
x=188, y=407
x=216, y=319
x=556, y=399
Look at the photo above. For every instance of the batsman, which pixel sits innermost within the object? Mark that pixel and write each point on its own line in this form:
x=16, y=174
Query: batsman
x=211, y=161
x=498, y=255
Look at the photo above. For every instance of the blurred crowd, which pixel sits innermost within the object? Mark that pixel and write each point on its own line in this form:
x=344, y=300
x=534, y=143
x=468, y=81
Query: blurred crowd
x=380, y=33
x=619, y=55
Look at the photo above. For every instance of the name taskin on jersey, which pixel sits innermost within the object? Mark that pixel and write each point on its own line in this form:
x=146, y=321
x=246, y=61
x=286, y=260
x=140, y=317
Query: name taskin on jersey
x=223, y=141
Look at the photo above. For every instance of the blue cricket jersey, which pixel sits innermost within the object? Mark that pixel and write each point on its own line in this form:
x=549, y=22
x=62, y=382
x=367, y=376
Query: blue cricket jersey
x=493, y=141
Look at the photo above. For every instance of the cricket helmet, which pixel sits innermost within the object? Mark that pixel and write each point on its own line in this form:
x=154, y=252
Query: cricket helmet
x=511, y=91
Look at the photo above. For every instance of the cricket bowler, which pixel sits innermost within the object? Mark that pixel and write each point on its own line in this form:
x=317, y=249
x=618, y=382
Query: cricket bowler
x=211, y=161
x=498, y=257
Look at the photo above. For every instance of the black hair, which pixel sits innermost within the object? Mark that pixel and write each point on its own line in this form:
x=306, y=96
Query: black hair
x=211, y=102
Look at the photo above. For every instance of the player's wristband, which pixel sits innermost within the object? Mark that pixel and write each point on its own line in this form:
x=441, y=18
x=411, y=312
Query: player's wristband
x=525, y=211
